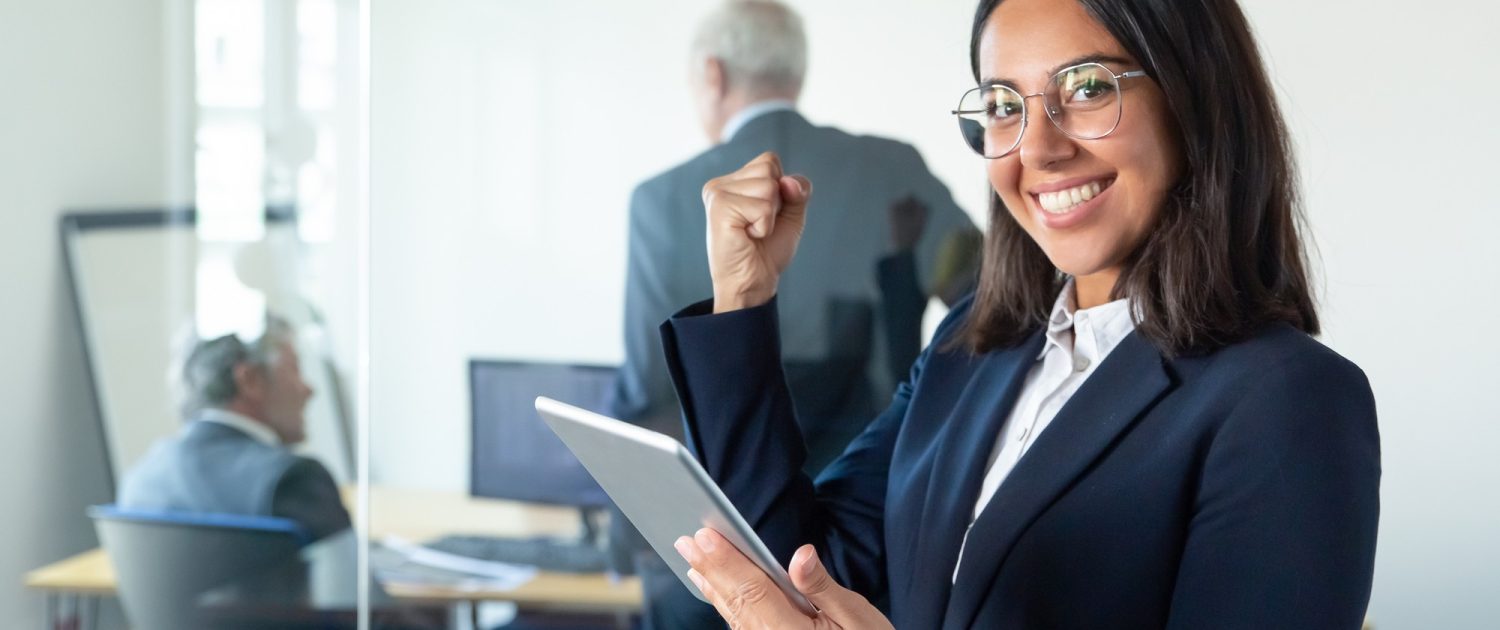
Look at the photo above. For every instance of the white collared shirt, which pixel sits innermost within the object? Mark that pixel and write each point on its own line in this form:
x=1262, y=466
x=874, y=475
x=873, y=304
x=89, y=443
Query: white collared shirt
x=750, y=112
x=1077, y=342
x=244, y=424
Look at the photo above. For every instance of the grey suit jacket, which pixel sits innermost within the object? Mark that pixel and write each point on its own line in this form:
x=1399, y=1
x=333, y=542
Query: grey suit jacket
x=830, y=323
x=210, y=467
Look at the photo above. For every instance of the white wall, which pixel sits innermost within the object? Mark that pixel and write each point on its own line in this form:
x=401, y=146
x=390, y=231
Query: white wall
x=507, y=136
x=82, y=124
x=1397, y=134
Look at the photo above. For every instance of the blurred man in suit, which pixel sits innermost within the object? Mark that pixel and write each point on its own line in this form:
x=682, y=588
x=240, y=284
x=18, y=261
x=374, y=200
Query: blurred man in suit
x=880, y=220
x=748, y=61
x=244, y=411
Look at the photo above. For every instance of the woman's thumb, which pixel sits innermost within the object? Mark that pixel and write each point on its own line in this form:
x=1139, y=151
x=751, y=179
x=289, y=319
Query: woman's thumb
x=809, y=576
x=842, y=607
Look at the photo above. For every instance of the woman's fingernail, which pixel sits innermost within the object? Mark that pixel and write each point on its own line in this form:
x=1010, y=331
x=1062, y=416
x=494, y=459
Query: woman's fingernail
x=809, y=558
x=705, y=540
x=683, y=548
x=696, y=578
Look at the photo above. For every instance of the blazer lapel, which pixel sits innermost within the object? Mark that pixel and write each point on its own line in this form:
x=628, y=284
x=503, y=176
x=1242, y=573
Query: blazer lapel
x=1129, y=381
x=968, y=436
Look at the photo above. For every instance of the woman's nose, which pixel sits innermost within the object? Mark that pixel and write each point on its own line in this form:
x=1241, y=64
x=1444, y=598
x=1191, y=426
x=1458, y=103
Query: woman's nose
x=1043, y=145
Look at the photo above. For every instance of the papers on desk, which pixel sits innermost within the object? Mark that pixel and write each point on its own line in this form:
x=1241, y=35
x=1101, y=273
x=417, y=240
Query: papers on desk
x=409, y=563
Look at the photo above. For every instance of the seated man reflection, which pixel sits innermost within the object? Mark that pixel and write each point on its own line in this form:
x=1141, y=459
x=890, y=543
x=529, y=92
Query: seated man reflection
x=244, y=411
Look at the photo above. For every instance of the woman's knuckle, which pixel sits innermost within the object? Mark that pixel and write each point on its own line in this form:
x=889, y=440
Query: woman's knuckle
x=750, y=593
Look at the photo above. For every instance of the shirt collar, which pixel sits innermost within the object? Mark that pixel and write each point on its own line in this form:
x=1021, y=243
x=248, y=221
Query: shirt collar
x=244, y=424
x=1091, y=332
x=750, y=112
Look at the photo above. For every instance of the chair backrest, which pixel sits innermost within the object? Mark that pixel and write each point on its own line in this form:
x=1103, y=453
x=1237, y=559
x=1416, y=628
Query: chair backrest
x=165, y=561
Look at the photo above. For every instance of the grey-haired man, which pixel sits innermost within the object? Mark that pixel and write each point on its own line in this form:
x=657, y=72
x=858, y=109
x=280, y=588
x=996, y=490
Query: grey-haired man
x=244, y=410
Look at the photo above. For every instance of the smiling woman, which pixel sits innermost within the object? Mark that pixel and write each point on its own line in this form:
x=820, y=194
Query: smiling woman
x=1198, y=219
x=1128, y=426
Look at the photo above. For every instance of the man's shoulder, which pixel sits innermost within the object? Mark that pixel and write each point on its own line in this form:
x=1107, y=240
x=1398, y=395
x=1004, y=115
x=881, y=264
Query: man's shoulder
x=881, y=144
x=229, y=471
x=700, y=168
x=303, y=469
x=822, y=145
x=235, y=448
x=864, y=147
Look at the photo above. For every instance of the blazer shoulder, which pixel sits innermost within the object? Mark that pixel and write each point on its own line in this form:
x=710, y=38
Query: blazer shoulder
x=1282, y=346
x=305, y=470
x=895, y=153
x=699, y=168
x=223, y=441
x=1281, y=365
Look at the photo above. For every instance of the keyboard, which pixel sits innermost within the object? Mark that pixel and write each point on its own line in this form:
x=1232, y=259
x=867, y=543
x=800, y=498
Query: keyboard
x=543, y=553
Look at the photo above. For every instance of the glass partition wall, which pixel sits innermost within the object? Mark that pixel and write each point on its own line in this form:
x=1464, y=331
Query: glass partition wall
x=220, y=334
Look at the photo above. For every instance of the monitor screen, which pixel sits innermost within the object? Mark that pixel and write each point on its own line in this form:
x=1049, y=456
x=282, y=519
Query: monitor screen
x=514, y=455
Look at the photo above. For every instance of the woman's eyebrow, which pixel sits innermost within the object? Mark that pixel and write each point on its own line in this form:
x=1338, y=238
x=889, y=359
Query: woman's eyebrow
x=1082, y=59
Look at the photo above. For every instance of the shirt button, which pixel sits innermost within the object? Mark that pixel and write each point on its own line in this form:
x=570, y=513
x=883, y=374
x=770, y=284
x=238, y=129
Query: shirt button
x=1081, y=364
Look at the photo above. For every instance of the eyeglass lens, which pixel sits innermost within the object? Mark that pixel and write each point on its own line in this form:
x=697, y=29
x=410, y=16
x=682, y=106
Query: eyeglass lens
x=1082, y=101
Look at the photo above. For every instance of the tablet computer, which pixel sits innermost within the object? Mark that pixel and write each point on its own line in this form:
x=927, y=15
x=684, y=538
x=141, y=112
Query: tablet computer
x=661, y=488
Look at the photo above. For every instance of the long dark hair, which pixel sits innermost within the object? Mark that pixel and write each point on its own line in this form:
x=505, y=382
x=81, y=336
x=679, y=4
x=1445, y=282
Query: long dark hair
x=1224, y=257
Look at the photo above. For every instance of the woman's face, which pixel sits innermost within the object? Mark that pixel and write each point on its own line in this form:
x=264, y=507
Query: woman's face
x=1025, y=42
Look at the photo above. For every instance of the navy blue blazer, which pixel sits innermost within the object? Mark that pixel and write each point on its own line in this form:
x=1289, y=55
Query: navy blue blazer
x=1235, y=489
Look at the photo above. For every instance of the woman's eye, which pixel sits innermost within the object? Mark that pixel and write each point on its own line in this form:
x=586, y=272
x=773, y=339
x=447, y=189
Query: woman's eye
x=1003, y=110
x=1088, y=91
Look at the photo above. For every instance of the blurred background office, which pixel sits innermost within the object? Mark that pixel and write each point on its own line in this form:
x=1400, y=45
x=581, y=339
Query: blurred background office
x=504, y=140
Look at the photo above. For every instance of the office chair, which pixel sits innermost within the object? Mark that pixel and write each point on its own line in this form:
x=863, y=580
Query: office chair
x=167, y=561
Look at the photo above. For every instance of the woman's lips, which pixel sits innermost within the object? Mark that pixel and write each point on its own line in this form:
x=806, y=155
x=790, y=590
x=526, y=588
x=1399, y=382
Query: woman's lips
x=1065, y=207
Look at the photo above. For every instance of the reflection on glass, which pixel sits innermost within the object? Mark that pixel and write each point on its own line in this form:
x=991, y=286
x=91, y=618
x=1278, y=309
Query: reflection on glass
x=318, y=60
x=225, y=305
x=230, y=165
x=230, y=43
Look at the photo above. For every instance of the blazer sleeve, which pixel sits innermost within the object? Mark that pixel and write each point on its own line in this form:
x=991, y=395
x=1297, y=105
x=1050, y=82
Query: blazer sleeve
x=741, y=426
x=307, y=494
x=1283, y=532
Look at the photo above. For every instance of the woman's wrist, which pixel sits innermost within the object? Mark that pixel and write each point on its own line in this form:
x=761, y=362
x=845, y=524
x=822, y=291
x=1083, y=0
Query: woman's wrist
x=727, y=301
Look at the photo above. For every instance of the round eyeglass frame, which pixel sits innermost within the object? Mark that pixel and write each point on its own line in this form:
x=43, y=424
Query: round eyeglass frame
x=1051, y=115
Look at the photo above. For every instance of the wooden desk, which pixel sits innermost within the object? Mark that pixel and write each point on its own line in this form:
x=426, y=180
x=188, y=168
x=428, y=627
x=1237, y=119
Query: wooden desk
x=419, y=516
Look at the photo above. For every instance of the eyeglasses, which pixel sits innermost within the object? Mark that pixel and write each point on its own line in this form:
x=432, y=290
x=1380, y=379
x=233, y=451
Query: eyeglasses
x=1082, y=101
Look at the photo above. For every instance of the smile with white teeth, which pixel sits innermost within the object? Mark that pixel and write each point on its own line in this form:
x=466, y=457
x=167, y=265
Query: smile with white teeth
x=1062, y=201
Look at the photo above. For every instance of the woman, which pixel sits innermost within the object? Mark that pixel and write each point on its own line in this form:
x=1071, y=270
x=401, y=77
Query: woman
x=1127, y=426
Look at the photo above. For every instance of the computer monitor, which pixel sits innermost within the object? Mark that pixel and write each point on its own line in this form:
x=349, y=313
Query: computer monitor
x=514, y=455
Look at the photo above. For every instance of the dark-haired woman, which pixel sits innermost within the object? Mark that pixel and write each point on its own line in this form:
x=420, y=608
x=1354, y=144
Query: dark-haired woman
x=1128, y=425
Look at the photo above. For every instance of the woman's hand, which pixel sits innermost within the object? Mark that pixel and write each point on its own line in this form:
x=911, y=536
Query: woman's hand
x=755, y=218
x=747, y=598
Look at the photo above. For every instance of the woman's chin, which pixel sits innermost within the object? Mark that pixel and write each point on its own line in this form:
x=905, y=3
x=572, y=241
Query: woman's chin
x=1077, y=266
